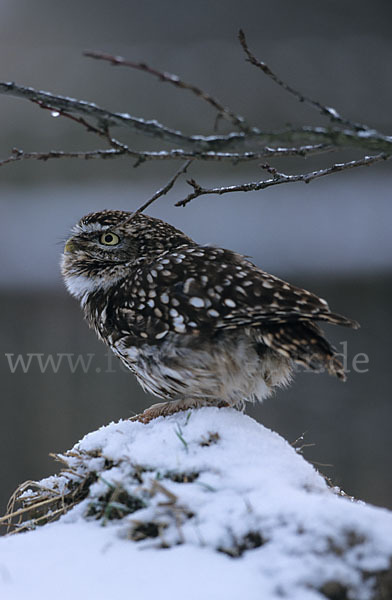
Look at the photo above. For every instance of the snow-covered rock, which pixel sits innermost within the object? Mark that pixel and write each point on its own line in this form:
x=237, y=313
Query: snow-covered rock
x=203, y=504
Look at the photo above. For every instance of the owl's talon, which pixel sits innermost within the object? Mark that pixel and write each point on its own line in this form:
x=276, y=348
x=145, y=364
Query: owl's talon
x=165, y=409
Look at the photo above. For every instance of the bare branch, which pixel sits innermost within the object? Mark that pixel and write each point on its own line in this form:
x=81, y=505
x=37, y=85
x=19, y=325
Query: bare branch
x=175, y=154
x=328, y=111
x=235, y=157
x=162, y=191
x=102, y=116
x=80, y=120
x=297, y=150
x=223, y=111
x=339, y=138
x=18, y=155
x=235, y=141
x=278, y=178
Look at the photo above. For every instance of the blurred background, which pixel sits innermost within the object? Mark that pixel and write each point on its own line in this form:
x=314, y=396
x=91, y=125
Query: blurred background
x=333, y=236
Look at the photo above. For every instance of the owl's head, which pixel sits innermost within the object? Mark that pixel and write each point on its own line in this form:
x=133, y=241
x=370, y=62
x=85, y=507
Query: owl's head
x=105, y=245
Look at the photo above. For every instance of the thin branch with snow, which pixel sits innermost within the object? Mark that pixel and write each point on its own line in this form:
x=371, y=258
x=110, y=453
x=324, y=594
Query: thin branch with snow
x=234, y=157
x=278, y=178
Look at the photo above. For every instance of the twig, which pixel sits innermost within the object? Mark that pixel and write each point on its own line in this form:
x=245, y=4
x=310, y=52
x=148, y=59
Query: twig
x=18, y=155
x=102, y=131
x=175, y=154
x=90, y=109
x=328, y=111
x=223, y=111
x=279, y=178
x=295, y=150
x=61, y=112
x=164, y=190
x=235, y=157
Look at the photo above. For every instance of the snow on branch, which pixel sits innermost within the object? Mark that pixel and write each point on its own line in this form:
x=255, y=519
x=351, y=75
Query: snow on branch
x=207, y=492
x=277, y=179
x=104, y=118
x=246, y=143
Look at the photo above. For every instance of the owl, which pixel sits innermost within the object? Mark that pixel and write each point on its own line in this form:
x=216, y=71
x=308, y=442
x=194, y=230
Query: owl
x=197, y=325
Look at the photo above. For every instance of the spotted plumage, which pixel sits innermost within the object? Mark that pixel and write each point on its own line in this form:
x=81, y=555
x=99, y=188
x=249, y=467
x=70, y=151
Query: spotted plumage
x=195, y=324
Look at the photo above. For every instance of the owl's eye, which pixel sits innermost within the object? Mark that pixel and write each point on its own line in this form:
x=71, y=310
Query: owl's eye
x=109, y=239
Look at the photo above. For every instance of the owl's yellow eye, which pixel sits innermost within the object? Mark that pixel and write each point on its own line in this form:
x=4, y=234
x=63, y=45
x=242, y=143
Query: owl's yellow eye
x=109, y=239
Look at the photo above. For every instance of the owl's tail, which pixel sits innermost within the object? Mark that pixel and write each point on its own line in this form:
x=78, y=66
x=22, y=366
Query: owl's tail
x=336, y=319
x=304, y=343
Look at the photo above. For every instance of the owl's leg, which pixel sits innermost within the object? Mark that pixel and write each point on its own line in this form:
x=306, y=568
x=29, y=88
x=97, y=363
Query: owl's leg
x=164, y=409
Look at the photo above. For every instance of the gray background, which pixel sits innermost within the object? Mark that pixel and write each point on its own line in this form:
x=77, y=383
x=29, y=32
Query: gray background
x=332, y=236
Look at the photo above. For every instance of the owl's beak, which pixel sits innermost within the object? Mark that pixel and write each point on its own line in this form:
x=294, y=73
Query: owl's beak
x=69, y=246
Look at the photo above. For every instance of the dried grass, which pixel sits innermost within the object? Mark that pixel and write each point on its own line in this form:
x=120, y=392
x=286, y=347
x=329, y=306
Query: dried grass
x=33, y=504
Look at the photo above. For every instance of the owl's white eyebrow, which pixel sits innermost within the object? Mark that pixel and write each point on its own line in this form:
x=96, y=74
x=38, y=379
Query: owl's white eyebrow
x=90, y=227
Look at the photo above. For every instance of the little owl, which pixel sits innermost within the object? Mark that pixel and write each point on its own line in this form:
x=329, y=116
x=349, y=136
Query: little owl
x=197, y=325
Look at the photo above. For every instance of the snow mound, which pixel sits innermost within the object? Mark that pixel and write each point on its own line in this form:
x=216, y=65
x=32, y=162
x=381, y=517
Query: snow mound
x=201, y=504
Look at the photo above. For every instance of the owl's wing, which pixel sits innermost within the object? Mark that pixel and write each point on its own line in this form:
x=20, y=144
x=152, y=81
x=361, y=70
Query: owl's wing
x=201, y=289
